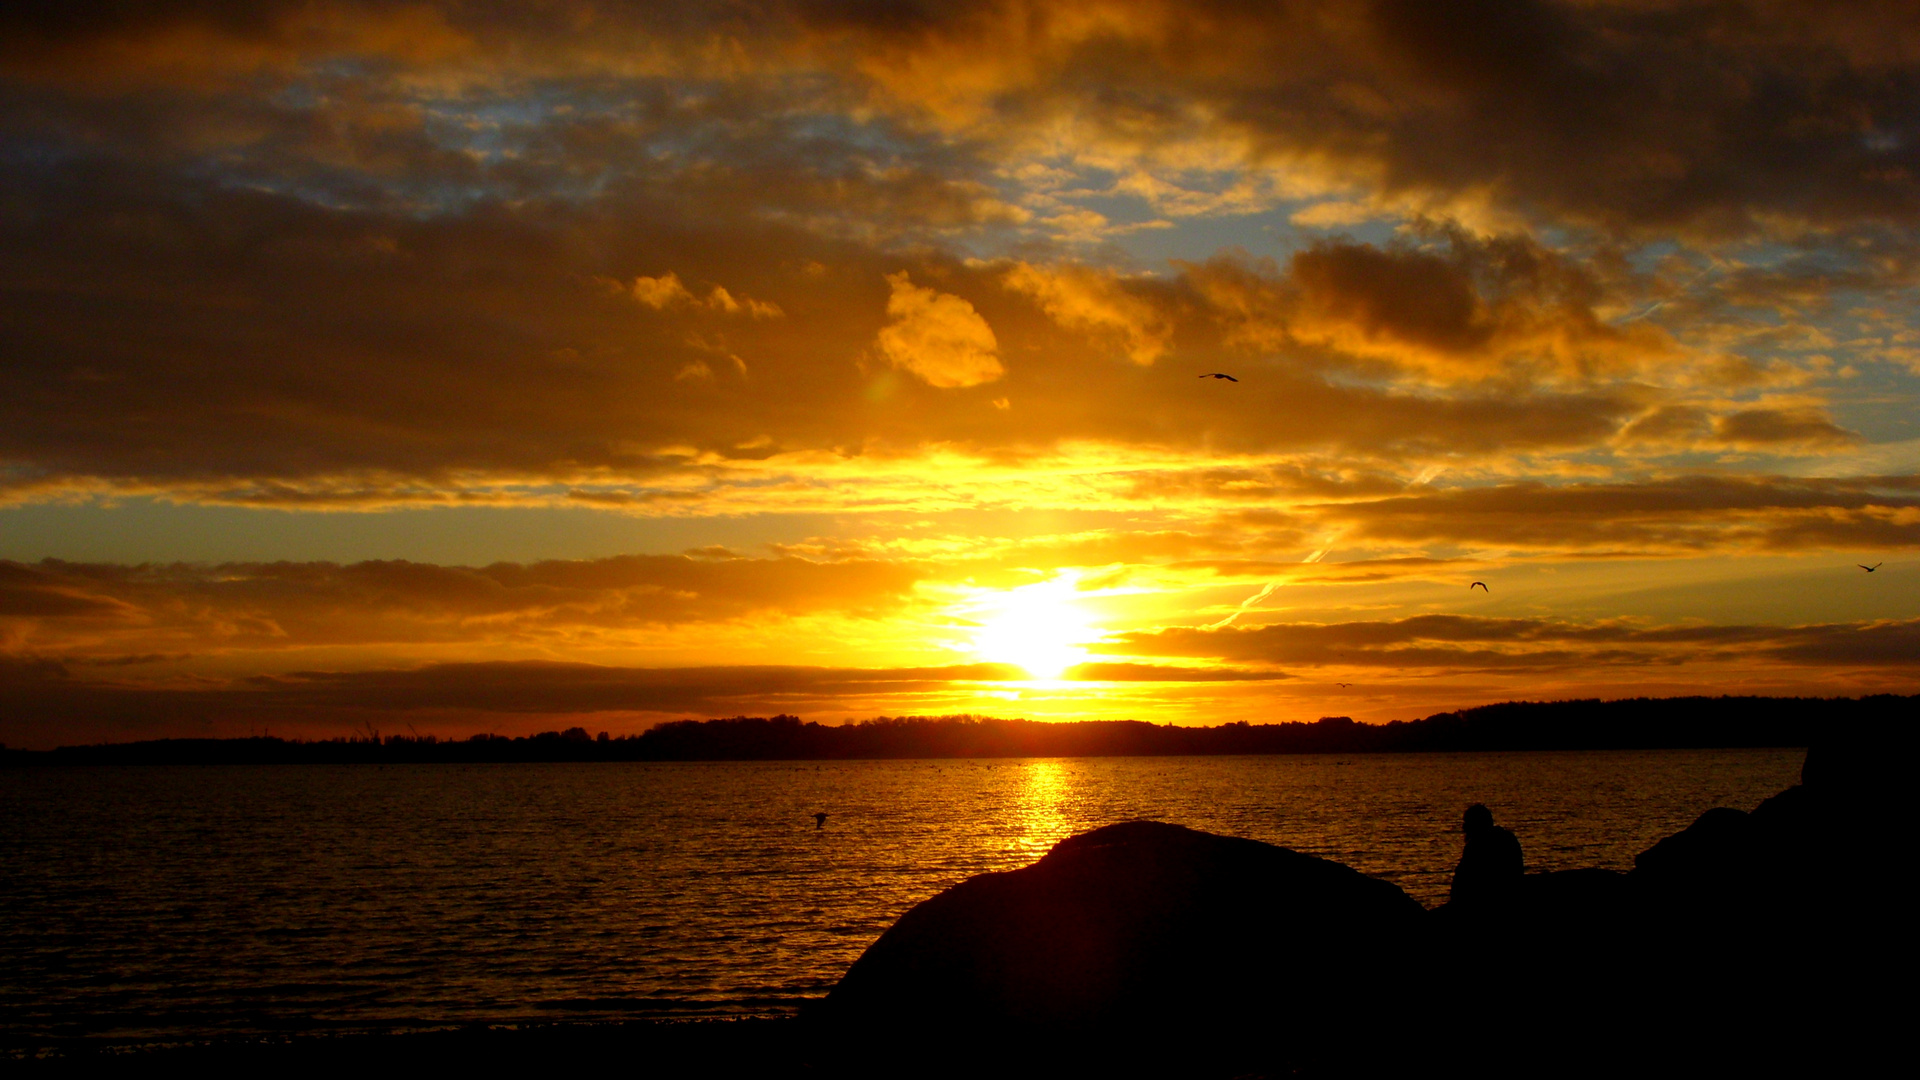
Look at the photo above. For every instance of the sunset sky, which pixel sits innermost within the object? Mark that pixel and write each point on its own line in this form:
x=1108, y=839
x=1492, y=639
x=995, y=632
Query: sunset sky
x=508, y=366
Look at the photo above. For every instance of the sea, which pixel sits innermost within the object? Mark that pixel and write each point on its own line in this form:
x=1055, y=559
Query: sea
x=160, y=905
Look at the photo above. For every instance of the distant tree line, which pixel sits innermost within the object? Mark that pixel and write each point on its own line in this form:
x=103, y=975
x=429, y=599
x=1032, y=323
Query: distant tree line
x=1636, y=723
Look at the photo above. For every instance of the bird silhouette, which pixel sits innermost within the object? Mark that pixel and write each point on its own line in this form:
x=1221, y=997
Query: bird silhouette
x=1870, y=569
x=820, y=821
x=1219, y=375
x=1343, y=685
x=1481, y=585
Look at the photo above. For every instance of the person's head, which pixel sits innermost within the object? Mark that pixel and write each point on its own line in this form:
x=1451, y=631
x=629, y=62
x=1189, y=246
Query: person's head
x=1478, y=817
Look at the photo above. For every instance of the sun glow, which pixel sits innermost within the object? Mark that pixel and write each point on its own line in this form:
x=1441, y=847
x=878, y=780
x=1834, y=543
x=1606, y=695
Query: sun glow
x=1037, y=627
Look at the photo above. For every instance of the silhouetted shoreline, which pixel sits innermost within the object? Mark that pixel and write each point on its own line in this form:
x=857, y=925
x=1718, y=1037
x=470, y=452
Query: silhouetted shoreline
x=1630, y=724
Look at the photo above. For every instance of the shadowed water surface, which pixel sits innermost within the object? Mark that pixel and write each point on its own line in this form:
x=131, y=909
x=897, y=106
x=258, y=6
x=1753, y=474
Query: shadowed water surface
x=167, y=903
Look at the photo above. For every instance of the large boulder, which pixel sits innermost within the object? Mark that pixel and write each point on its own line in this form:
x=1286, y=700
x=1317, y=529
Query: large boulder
x=1155, y=934
x=1778, y=927
x=1802, y=858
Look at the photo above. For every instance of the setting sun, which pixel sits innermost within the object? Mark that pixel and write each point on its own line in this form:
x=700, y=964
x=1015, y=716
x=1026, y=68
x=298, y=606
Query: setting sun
x=1038, y=627
x=554, y=388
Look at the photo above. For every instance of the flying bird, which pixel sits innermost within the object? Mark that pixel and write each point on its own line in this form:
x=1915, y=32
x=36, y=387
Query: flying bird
x=1343, y=685
x=1870, y=569
x=1481, y=585
x=1219, y=375
x=819, y=821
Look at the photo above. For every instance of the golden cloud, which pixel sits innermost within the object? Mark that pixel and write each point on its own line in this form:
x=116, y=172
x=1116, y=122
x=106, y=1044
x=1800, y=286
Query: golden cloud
x=667, y=291
x=1080, y=298
x=937, y=336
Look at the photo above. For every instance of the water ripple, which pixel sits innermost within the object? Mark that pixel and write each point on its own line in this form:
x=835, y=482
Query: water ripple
x=166, y=903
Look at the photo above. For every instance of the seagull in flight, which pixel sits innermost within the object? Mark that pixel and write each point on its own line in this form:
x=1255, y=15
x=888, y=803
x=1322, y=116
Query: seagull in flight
x=1343, y=685
x=1219, y=375
x=1870, y=569
x=1481, y=585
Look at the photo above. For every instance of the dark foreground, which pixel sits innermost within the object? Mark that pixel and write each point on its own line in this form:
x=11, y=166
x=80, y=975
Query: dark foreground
x=719, y=1048
x=1750, y=943
x=1762, y=942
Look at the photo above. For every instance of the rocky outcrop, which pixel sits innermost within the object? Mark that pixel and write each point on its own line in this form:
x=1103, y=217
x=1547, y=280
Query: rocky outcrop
x=1795, y=855
x=1747, y=943
x=1153, y=934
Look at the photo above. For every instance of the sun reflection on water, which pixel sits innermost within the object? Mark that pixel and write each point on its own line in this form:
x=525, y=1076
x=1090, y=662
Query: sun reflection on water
x=1041, y=809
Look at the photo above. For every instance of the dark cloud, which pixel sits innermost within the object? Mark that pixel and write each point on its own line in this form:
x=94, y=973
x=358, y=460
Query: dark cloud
x=1689, y=513
x=41, y=705
x=1109, y=672
x=30, y=593
x=1714, y=116
x=1463, y=642
x=254, y=348
x=1466, y=307
x=291, y=605
x=1892, y=643
x=1774, y=427
x=540, y=687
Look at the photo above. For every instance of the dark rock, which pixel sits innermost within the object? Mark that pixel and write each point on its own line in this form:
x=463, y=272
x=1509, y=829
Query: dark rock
x=1568, y=898
x=1790, y=812
x=1857, y=769
x=1169, y=936
x=1800, y=858
x=1715, y=852
x=1760, y=938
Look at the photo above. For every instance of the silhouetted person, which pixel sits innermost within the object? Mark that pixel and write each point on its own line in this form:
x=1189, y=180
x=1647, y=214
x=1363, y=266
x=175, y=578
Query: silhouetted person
x=1491, y=866
x=820, y=820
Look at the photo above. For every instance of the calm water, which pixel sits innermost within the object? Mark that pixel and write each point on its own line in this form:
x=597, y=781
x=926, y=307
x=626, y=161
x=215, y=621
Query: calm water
x=164, y=903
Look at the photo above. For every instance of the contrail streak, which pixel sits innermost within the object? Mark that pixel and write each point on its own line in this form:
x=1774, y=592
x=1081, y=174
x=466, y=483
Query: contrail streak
x=1265, y=591
x=1424, y=477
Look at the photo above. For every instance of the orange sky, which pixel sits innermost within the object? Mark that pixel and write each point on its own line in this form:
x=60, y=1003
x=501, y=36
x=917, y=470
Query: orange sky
x=496, y=367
